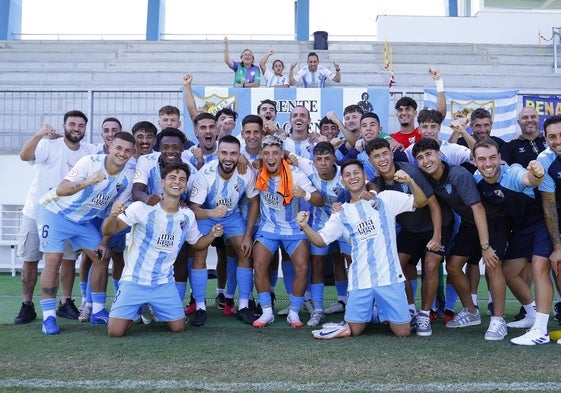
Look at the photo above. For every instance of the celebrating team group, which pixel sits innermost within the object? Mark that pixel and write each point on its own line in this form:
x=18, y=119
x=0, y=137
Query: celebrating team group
x=376, y=205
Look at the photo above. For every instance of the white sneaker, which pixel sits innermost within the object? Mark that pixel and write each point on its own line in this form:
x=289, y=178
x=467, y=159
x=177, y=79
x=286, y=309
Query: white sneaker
x=316, y=318
x=85, y=314
x=336, y=307
x=82, y=307
x=465, y=319
x=524, y=323
x=497, y=329
x=284, y=311
x=532, y=337
x=309, y=306
x=147, y=315
x=337, y=331
x=423, y=327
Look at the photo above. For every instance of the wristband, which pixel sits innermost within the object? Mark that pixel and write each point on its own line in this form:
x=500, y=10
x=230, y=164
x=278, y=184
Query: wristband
x=308, y=196
x=373, y=192
x=337, y=70
x=439, y=85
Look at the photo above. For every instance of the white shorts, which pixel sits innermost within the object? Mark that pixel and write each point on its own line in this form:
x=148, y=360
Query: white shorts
x=28, y=242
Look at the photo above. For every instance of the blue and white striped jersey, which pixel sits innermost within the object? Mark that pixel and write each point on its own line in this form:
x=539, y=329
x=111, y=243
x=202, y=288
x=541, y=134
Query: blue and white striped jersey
x=156, y=239
x=369, y=226
x=93, y=200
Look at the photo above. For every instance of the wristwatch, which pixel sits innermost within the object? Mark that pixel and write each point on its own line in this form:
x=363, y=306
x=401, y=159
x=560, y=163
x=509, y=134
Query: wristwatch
x=485, y=246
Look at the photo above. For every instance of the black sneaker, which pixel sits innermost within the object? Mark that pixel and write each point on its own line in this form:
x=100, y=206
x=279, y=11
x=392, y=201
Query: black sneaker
x=200, y=318
x=246, y=316
x=557, y=312
x=26, y=314
x=67, y=310
x=521, y=314
x=219, y=301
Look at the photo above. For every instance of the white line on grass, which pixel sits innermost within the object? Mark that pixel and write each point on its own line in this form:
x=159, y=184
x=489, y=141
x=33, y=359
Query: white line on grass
x=284, y=386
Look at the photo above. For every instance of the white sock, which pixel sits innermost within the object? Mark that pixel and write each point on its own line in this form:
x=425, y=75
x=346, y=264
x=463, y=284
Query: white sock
x=541, y=322
x=49, y=313
x=293, y=316
x=97, y=307
x=243, y=303
x=490, y=297
x=219, y=291
x=530, y=309
x=413, y=308
x=474, y=298
x=200, y=306
x=267, y=312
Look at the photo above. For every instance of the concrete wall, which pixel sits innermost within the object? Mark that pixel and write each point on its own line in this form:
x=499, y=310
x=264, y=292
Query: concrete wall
x=514, y=27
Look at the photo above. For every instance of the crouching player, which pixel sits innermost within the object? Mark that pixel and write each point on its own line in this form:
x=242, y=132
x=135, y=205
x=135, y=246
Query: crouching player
x=158, y=233
x=375, y=274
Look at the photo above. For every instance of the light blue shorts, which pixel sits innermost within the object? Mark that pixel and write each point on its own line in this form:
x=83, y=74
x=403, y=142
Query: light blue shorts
x=332, y=248
x=118, y=241
x=54, y=230
x=273, y=244
x=234, y=225
x=390, y=300
x=163, y=298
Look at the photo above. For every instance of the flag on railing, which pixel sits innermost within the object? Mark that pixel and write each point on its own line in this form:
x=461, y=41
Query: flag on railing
x=501, y=104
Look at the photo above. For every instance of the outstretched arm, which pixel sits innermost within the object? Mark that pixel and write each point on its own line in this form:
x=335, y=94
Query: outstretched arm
x=263, y=62
x=189, y=97
x=227, y=58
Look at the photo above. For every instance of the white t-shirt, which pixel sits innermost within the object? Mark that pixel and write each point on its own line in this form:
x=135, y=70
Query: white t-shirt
x=53, y=160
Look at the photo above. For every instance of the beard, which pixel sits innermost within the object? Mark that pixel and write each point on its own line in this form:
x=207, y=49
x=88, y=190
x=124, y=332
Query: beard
x=227, y=171
x=72, y=138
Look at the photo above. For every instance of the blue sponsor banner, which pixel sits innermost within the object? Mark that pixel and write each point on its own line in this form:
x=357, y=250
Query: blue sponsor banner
x=317, y=101
x=545, y=105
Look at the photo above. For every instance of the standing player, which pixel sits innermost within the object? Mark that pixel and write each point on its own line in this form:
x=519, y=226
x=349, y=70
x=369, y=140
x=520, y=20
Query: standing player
x=375, y=274
x=279, y=205
x=158, y=234
x=326, y=178
x=52, y=159
x=455, y=189
x=217, y=191
x=65, y=212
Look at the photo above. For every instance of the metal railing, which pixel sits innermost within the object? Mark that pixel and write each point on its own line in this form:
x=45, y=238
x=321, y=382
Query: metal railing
x=556, y=36
x=22, y=113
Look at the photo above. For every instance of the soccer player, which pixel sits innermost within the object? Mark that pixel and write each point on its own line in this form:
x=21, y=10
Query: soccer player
x=144, y=133
x=421, y=235
x=456, y=190
x=217, y=191
x=375, y=274
x=51, y=159
x=65, y=212
x=505, y=192
x=541, y=267
x=157, y=236
x=278, y=200
x=109, y=128
x=325, y=176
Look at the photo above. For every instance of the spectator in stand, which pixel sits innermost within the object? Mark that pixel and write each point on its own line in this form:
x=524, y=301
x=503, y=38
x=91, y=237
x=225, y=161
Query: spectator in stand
x=273, y=78
x=314, y=75
x=246, y=74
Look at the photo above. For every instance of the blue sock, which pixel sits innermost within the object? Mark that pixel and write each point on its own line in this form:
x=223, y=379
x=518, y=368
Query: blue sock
x=296, y=303
x=317, y=295
x=115, y=285
x=451, y=297
x=245, y=280
x=99, y=299
x=232, y=282
x=181, y=289
x=264, y=299
x=288, y=276
x=48, y=307
x=199, y=279
x=341, y=288
x=414, y=287
x=274, y=279
x=89, y=288
x=83, y=285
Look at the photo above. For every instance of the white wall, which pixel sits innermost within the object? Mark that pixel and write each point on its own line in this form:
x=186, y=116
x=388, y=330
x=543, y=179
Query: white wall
x=505, y=27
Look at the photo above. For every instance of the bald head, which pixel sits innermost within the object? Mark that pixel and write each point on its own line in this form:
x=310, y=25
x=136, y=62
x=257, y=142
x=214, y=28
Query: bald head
x=529, y=121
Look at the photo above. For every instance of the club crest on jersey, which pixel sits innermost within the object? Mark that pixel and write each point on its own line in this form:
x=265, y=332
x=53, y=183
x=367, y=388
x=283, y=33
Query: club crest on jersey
x=404, y=187
x=237, y=187
x=119, y=186
x=499, y=193
x=137, y=174
x=165, y=242
x=448, y=188
x=73, y=173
